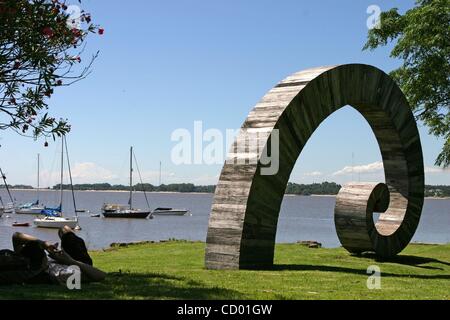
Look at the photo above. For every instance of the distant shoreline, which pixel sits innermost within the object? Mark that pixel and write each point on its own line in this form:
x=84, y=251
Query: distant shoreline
x=112, y=191
x=200, y=193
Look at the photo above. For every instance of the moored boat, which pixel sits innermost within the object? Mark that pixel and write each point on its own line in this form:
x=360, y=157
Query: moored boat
x=30, y=208
x=122, y=211
x=57, y=222
x=9, y=208
x=169, y=212
x=20, y=224
x=34, y=208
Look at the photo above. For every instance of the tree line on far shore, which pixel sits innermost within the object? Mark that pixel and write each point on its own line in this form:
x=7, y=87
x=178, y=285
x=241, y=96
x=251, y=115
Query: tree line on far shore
x=324, y=188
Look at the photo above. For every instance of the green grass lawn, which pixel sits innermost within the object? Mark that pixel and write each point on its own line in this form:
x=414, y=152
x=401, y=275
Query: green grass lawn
x=175, y=270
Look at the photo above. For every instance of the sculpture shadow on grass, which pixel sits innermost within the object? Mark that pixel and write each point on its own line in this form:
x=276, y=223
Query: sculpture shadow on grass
x=414, y=261
x=406, y=260
x=125, y=285
x=163, y=286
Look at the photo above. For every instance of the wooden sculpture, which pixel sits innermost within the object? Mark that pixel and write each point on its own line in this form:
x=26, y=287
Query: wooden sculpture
x=244, y=215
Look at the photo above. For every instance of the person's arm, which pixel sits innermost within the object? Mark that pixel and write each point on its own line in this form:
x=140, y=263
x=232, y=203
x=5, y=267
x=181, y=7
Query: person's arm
x=91, y=273
x=20, y=239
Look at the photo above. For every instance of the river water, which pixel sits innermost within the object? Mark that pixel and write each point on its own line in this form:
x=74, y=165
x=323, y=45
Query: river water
x=301, y=218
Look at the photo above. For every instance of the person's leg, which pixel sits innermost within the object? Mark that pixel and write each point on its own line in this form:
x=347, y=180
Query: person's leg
x=74, y=246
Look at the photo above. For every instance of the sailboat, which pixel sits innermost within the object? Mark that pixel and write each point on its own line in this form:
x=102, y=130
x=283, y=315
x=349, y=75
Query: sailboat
x=32, y=207
x=9, y=207
x=59, y=222
x=122, y=211
x=168, y=211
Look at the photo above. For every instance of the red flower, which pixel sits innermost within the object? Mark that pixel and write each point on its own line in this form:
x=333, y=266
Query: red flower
x=48, y=32
x=76, y=32
x=48, y=93
x=101, y=31
x=16, y=65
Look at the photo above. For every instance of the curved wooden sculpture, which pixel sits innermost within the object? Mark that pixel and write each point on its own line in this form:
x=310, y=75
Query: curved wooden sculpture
x=243, y=221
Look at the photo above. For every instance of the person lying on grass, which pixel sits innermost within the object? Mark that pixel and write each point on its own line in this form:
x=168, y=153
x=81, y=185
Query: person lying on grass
x=29, y=264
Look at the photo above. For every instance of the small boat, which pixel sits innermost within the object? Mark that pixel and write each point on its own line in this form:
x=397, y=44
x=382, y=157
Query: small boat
x=33, y=208
x=8, y=208
x=169, y=212
x=127, y=213
x=57, y=222
x=121, y=211
x=30, y=208
x=96, y=215
x=20, y=224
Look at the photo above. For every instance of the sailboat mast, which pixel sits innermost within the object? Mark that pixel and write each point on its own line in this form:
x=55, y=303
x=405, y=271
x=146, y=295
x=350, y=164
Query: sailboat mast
x=131, y=178
x=37, y=190
x=70, y=176
x=6, y=185
x=62, y=172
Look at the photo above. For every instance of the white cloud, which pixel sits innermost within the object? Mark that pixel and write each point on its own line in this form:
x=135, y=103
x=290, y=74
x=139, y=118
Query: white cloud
x=85, y=172
x=436, y=170
x=376, y=167
x=89, y=171
x=313, y=174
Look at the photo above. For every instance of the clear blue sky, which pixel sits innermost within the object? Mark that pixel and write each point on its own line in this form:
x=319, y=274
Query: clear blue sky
x=165, y=64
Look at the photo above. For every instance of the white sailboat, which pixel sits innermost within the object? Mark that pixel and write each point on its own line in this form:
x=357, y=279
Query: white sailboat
x=168, y=211
x=59, y=222
x=32, y=207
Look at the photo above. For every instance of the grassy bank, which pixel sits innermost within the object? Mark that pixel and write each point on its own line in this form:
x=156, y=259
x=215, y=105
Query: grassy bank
x=174, y=270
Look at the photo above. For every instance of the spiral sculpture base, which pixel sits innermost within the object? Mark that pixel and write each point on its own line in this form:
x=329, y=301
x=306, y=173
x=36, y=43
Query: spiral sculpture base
x=246, y=205
x=353, y=215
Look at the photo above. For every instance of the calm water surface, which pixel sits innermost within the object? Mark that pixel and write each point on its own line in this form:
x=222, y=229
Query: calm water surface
x=301, y=218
